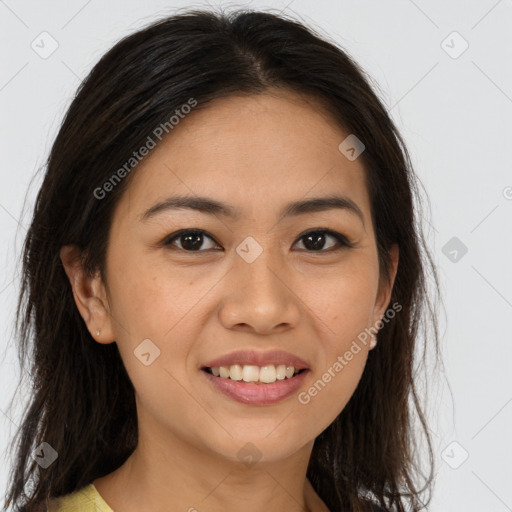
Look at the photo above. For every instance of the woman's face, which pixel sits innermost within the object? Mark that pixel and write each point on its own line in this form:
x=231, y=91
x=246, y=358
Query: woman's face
x=251, y=282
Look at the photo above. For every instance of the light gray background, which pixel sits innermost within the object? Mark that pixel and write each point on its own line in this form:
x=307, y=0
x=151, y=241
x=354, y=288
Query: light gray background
x=456, y=117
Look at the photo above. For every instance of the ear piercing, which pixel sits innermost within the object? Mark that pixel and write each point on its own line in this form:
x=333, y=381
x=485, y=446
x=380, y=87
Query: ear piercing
x=373, y=341
x=98, y=332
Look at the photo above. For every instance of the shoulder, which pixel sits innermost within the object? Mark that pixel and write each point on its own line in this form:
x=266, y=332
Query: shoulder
x=86, y=499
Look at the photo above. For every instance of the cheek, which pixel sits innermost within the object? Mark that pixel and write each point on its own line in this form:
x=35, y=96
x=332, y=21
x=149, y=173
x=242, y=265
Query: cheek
x=342, y=309
x=342, y=312
x=329, y=392
x=154, y=322
x=147, y=300
x=342, y=305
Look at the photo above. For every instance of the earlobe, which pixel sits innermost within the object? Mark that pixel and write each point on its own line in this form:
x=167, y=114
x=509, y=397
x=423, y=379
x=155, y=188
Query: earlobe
x=89, y=294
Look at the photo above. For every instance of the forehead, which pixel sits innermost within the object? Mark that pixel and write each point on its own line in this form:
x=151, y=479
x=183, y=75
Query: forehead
x=252, y=152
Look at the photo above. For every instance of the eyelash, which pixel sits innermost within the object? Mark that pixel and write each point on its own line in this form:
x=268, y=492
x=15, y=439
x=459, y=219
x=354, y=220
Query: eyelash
x=341, y=239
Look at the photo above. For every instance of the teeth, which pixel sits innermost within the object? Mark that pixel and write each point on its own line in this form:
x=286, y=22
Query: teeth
x=268, y=374
x=250, y=373
x=235, y=372
x=281, y=372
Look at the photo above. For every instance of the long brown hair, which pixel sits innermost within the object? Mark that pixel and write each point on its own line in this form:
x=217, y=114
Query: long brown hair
x=83, y=402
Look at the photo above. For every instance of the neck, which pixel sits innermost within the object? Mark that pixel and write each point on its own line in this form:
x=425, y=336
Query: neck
x=166, y=469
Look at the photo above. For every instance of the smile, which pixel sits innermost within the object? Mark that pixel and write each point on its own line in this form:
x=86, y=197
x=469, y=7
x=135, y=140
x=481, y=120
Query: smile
x=251, y=373
x=256, y=392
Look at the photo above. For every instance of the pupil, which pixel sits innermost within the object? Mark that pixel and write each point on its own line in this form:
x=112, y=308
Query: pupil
x=192, y=241
x=312, y=236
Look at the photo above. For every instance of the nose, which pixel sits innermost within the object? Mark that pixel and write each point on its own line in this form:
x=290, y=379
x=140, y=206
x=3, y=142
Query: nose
x=259, y=297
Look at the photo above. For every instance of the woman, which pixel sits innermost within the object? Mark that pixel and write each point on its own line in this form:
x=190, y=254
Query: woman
x=224, y=279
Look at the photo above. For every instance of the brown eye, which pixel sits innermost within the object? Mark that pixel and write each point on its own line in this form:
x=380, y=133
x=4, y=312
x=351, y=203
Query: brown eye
x=314, y=241
x=190, y=241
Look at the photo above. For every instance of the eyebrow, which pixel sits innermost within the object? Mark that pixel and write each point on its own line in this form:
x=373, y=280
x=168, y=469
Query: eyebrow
x=212, y=207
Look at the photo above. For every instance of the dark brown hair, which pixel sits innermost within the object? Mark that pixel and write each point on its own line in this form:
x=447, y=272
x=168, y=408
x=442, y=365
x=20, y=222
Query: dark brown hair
x=83, y=401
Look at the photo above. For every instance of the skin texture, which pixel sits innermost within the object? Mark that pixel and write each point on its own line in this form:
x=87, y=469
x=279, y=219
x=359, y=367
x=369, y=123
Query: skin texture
x=255, y=153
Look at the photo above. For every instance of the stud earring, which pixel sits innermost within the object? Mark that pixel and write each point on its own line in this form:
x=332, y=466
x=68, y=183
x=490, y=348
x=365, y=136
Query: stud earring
x=373, y=342
x=98, y=332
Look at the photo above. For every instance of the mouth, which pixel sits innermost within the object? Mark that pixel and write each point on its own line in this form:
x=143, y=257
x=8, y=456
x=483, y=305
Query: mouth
x=253, y=366
x=252, y=374
x=256, y=378
x=262, y=387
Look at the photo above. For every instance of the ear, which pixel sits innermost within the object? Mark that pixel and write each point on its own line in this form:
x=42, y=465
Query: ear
x=90, y=295
x=386, y=287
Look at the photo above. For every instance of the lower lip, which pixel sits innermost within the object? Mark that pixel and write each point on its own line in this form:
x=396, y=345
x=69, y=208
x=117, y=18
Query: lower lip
x=257, y=394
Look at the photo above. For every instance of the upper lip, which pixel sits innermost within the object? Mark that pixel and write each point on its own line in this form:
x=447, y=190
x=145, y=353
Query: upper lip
x=256, y=358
